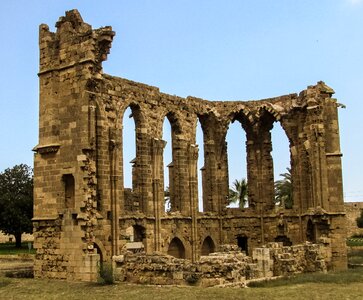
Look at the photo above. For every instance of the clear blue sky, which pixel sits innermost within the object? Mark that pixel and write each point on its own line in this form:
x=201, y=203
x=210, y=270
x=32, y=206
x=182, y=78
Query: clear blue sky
x=217, y=50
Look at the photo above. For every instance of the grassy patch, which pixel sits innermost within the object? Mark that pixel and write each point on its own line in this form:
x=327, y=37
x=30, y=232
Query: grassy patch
x=9, y=248
x=4, y=282
x=56, y=289
x=344, y=277
x=355, y=256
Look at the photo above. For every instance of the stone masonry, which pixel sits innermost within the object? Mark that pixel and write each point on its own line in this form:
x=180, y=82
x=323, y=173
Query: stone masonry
x=353, y=211
x=83, y=215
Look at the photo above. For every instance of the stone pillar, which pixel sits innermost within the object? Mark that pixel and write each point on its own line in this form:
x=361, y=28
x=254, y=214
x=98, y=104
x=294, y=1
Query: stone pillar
x=143, y=167
x=209, y=179
x=333, y=156
x=315, y=146
x=158, y=188
x=193, y=184
x=260, y=167
x=181, y=177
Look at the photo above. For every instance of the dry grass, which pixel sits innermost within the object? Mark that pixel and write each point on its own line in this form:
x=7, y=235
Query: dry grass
x=46, y=289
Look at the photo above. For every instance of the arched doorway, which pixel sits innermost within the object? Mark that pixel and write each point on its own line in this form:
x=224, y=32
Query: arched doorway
x=242, y=242
x=176, y=248
x=207, y=246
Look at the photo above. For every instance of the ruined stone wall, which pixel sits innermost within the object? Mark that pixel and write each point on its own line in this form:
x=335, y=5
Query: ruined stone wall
x=227, y=267
x=82, y=208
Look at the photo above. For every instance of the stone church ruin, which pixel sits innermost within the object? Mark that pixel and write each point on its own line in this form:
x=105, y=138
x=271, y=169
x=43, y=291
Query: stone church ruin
x=85, y=217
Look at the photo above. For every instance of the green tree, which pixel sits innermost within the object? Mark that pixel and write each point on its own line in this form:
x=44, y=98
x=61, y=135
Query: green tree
x=359, y=220
x=16, y=201
x=239, y=193
x=283, y=190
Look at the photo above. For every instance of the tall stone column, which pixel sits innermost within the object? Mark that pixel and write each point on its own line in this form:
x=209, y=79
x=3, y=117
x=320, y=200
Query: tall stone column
x=144, y=171
x=193, y=187
x=158, y=187
x=210, y=177
x=181, y=177
x=315, y=146
x=260, y=167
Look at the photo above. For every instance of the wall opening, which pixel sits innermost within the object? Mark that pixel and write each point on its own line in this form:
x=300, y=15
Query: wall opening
x=168, y=165
x=242, y=242
x=310, y=232
x=237, y=166
x=201, y=168
x=176, y=248
x=282, y=166
x=139, y=233
x=284, y=240
x=99, y=252
x=207, y=246
x=69, y=190
x=129, y=160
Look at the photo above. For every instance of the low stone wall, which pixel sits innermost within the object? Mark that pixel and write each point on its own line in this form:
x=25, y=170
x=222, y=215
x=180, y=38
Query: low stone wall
x=220, y=268
x=353, y=211
x=6, y=238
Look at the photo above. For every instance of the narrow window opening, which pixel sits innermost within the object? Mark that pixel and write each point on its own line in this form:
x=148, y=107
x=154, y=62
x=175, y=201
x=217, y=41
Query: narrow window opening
x=69, y=190
x=201, y=168
x=129, y=161
x=237, y=166
x=282, y=167
x=168, y=166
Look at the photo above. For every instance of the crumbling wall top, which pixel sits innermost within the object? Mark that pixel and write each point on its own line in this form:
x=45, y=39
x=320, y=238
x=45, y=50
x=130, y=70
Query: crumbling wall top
x=73, y=43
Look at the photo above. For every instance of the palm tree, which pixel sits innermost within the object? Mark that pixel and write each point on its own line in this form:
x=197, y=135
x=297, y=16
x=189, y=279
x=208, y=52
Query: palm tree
x=238, y=193
x=283, y=190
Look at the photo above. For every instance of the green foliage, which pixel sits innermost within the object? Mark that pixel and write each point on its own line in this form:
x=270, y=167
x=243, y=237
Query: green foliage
x=359, y=220
x=283, y=190
x=4, y=282
x=192, y=278
x=10, y=249
x=16, y=201
x=239, y=193
x=355, y=256
x=29, y=273
x=355, y=241
x=106, y=274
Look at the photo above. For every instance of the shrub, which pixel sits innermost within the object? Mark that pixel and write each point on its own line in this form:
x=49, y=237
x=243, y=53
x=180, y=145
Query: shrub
x=4, y=282
x=360, y=220
x=106, y=274
x=20, y=274
x=192, y=278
